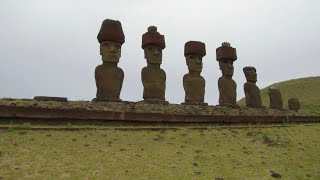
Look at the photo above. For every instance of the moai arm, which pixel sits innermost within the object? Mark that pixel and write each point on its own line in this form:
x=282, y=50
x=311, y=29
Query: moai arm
x=165, y=79
x=221, y=100
x=247, y=95
x=98, y=79
x=121, y=77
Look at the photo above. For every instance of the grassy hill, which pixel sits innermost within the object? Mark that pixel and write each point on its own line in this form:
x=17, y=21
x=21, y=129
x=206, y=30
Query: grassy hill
x=214, y=152
x=306, y=89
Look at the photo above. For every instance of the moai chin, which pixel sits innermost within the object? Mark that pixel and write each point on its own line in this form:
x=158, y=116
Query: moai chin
x=152, y=76
x=294, y=104
x=108, y=76
x=226, y=55
x=275, y=98
x=193, y=82
x=251, y=90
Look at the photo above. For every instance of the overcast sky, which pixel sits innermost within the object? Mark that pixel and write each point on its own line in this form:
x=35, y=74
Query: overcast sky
x=50, y=47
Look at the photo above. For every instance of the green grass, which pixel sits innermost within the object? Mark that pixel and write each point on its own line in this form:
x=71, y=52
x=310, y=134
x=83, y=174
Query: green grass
x=249, y=152
x=306, y=89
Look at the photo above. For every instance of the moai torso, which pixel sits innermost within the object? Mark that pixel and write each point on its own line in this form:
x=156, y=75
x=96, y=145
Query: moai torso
x=251, y=90
x=108, y=76
x=194, y=87
x=152, y=76
x=109, y=82
x=154, y=83
x=226, y=55
x=253, y=97
x=227, y=92
x=275, y=99
x=294, y=104
x=193, y=83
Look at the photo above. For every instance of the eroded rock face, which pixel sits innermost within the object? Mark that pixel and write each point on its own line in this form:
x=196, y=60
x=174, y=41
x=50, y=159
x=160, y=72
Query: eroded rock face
x=50, y=98
x=251, y=90
x=193, y=82
x=108, y=76
x=226, y=55
x=294, y=104
x=275, y=99
x=152, y=76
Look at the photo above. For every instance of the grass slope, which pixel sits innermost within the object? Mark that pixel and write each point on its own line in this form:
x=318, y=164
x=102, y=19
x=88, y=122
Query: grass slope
x=306, y=89
x=250, y=152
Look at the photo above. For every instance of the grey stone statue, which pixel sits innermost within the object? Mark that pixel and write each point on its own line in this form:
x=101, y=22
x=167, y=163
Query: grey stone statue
x=294, y=104
x=193, y=82
x=226, y=55
x=108, y=76
x=275, y=98
x=152, y=76
x=251, y=90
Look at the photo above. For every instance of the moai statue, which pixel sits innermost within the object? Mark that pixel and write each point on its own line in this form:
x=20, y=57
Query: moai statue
x=275, y=98
x=294, y=104
x=109, y=77
x=193, y=82
x=226, y=55
x=152, y=76
x=251, y=90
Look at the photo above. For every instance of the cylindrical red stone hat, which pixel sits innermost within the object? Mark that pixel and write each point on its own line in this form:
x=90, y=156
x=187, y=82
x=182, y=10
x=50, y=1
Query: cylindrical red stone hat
x=153, y=37
x=226, y=52
x=194, y=47
x=111, y=30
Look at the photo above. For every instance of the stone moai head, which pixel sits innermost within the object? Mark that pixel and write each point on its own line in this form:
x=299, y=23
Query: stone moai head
x=153, y=43
x=226, y=55
x=294, y=104
x=194, y=51
x=275, y=98
x=111, y=38
x=250, y=73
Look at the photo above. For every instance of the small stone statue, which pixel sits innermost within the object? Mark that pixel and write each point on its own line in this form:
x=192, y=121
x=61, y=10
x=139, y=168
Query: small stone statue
x=294, y=104
x=109, y=77
x=226, y=55
x=275, y=98
x=152, y=76
x=193, y=82
x=251, y=90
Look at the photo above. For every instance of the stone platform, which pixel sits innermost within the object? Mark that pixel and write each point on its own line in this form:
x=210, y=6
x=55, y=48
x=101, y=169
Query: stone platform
x=83, y=112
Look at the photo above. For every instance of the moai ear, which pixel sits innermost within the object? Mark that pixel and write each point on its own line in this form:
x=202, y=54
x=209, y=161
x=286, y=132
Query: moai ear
x=144, y=51
x=220, y=64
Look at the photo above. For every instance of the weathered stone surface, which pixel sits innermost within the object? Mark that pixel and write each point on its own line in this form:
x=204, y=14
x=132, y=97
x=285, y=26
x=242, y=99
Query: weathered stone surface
x=108, y=76
x=55, y=114
x=226, y=52
x=152, y=76
x=275, y=174
x=154, y=101
x=226, y=55
x=251, y=90
x=141, y=112
x=193, y=82
x=111, y=30
x=109, y=79
x=153, y=37
x=49, y=98
x=294, y=104
x=275, y=98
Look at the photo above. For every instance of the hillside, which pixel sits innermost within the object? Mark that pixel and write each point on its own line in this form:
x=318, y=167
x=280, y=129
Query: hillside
x=212, y=152
x=306, y=89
